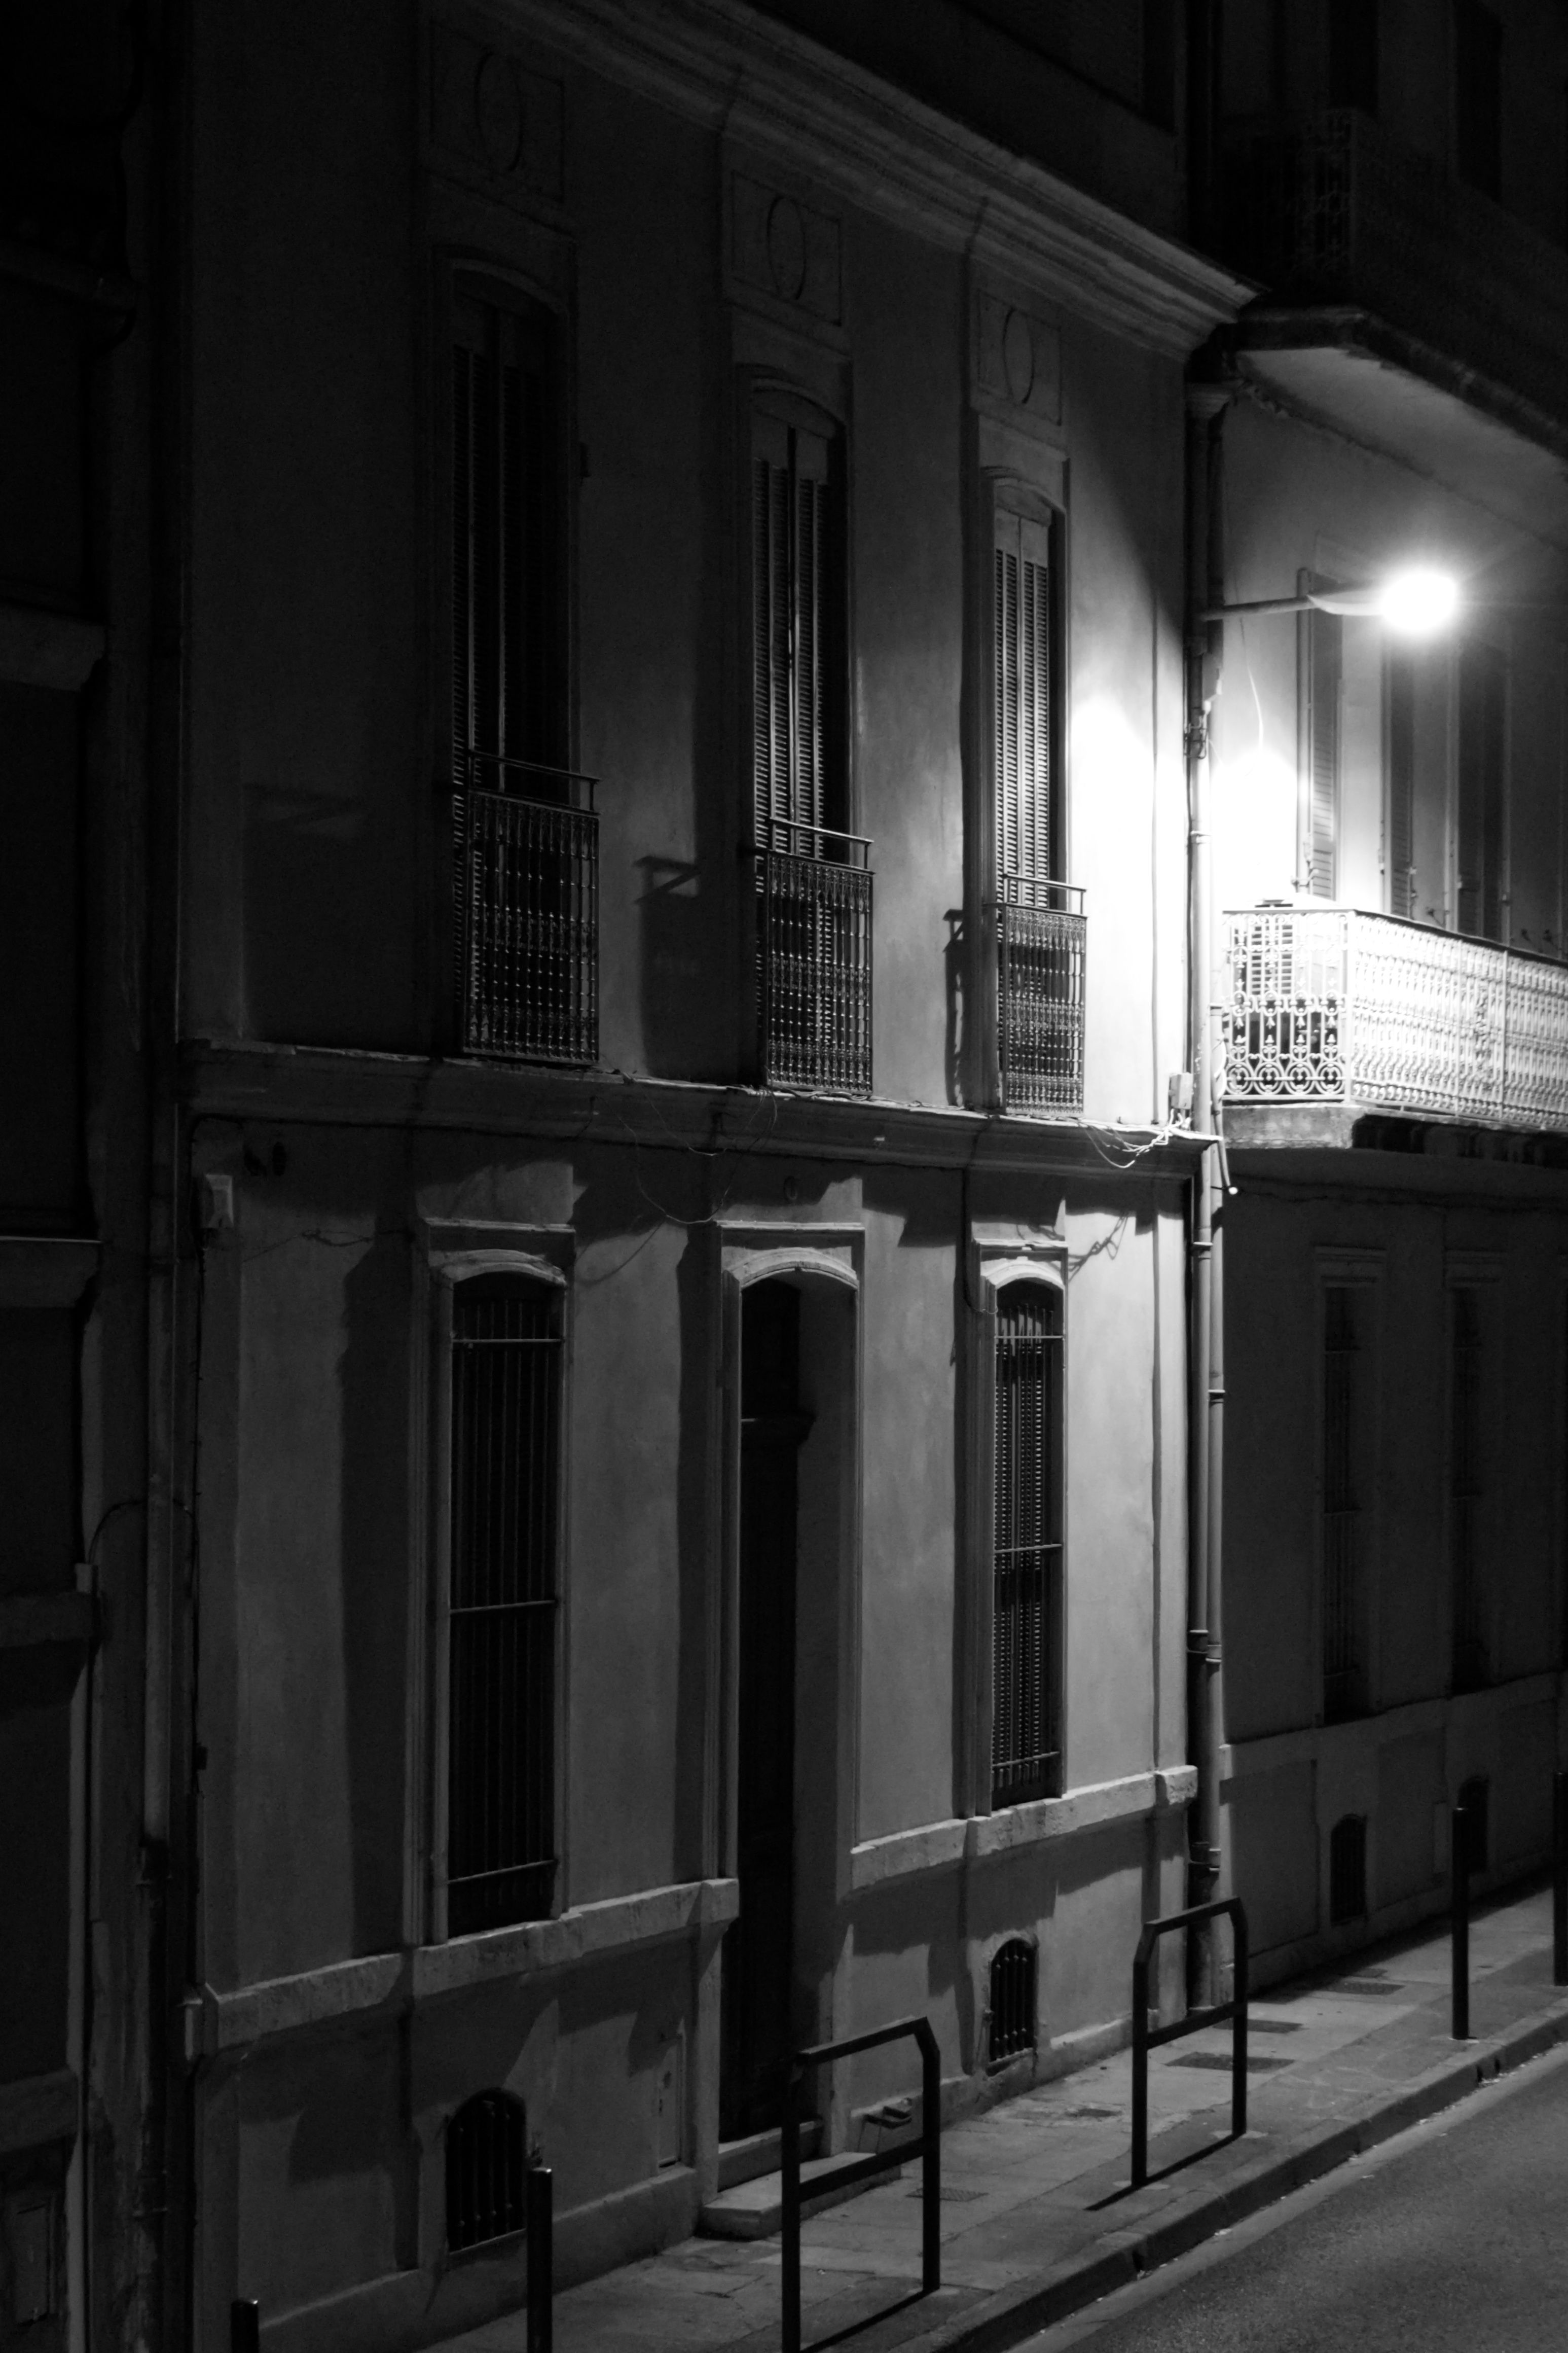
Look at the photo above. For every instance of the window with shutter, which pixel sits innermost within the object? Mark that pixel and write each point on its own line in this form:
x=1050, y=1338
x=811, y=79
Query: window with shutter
x=1025, y=1607
x=1324, y=668
x=1482, y=752
x=1039, y=918
x=525, y=833
x=503, y=1600
x=813, y=883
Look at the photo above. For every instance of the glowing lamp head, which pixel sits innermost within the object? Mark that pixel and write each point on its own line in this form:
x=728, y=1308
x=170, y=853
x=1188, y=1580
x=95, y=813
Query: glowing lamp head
x=1419, y=602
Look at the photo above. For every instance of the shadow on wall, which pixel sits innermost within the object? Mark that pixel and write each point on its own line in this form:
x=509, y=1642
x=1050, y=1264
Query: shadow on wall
x=687, y=1017
x=327, y=955
x=374, y=1552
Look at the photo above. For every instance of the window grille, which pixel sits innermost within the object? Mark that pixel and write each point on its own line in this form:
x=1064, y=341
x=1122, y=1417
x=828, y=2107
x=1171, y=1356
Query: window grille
x=1475, y=1796
x=1025, y=1760
x=525, y=832
x=813, y=878
x=486, y=2158
x=1013, y=2005
x=1347, y=1870
x=1344, y=1404
x=1040, y=922
x=507, y=1351
x=1465, y=1474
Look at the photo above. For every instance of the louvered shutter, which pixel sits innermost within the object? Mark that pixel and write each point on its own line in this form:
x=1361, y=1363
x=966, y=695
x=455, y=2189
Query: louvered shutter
x=1324, y=679
x=1483, y=721
x=1400, y=686
x=1027, y=1535
x=1021, y=659
x=791, y=560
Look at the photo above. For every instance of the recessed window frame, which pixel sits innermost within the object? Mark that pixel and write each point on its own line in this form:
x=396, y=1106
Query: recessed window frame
x=1362, y=1274
x=542, y=1257
x=1478, y=1274
x=998, y=1258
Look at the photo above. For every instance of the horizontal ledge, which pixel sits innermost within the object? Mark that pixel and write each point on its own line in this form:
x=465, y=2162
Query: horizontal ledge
x=44, y=1270
x=392, y=1981
x=27, y=1620
x=38, y=2110
x=937, y=1846
x=42, y=648
x=1273, y=1752
x=339, y=1087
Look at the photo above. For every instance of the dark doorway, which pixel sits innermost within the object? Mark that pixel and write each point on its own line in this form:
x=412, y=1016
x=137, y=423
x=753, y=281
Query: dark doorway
x=759, y=1949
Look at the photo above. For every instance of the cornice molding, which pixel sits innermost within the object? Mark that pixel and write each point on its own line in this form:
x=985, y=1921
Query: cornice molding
x=769, y=89
x=326, y=1087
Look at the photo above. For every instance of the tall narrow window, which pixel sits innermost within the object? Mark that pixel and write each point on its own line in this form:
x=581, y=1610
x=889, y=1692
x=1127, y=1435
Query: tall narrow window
x=524, y=832
x=1352, y=54
x=1027, y=1578
x=1346, y=1406
x=1467, y=1487
x=814, y=883
x=1040, y=942
x=503, y=1602
x=1482, y=753
x=1323, y=635
x=1478, y=96
x=1399, y=838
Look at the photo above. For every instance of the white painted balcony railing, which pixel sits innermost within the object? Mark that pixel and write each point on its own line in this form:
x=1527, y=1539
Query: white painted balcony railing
x=1330, y=1004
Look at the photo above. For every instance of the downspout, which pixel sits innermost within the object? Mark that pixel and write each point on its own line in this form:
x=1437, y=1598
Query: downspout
x=1206, y=407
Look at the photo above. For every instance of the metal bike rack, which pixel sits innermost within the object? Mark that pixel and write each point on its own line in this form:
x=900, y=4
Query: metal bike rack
x=1145, y=2037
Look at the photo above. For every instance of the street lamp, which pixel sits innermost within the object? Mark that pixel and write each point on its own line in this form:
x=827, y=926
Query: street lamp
x=1417, y=602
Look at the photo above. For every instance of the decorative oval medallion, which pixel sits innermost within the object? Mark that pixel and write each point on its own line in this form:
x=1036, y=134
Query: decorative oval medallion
x=498, y=111
x=786, y=248
x=1018, y=356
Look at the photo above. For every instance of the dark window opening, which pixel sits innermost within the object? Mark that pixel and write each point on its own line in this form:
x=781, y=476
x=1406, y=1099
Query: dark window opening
x=1026, y=1699
x=1475, y=1796
x=486, y=2158
x=1347, y=1870
x=1466, y=1482
x=1014, y=1968
x=1478, y=97
x=1346, y=1407
x=506, y=1350
x=1352, y=54
x=525, y=835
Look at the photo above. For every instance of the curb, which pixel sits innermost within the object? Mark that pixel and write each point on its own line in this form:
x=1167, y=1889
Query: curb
x=1019, y=2312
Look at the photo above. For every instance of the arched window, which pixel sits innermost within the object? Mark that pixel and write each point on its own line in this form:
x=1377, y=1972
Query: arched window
x=1012, y=1984
x=503, y=1600
x=1026, y=1569
x=487, y=2157
x=1347, y=1870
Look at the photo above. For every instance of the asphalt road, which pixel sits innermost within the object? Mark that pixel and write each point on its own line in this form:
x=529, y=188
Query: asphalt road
x=1456, y=2236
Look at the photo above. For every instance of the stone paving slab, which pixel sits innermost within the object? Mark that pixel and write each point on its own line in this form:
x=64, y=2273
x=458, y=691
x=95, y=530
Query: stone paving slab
x=1038, y=2218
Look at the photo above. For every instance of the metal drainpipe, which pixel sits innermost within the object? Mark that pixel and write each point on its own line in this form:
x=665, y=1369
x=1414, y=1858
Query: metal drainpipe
x=1205, y=405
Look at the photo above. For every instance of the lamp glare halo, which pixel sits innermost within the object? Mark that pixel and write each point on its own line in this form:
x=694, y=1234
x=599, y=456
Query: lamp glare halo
x=1418, y=601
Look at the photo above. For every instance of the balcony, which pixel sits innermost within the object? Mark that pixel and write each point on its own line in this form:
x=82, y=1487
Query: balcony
x=1338, y=214
x=1327, y=1005
x=527, y=888
x=1040, y=954
x=814, y=959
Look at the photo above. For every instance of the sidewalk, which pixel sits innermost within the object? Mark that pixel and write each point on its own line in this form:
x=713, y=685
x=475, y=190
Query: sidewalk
x=1037, y=2218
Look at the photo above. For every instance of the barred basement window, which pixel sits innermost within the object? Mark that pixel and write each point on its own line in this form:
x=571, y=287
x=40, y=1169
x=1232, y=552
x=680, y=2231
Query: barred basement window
x=1475, y=1796
x=813, y=875
x=486, y=2158
x=524, y=831
x=1347, y=1870
x=506, y=1375
x=1039, y=919
x=1013, y=1980
x=1466, y=1487
x=1026, y=1607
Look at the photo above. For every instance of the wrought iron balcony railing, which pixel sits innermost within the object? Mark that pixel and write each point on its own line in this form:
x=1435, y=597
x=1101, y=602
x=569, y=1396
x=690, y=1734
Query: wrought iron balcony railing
x=527, y=843
x=814, y=959
x=1340, y=213
x=1040, y=944
x=1330, y=1004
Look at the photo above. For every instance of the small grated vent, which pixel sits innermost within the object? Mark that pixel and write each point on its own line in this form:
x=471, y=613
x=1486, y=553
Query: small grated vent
x=487, y=2157
x=1347, y=1870
x=1013, y=1978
